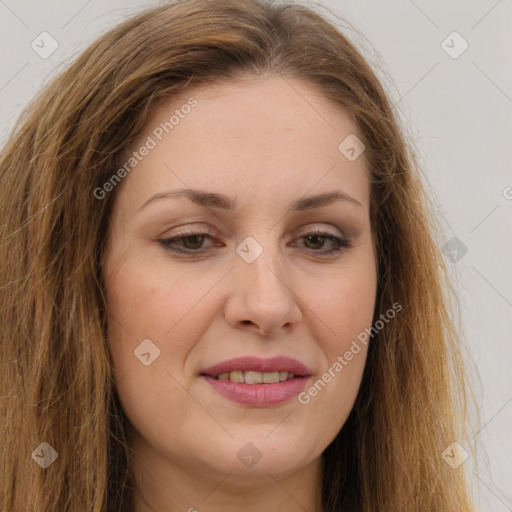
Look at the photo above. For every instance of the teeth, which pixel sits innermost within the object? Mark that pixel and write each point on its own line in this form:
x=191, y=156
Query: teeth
x=270, y=377
x=251, y=377
x=236, y=376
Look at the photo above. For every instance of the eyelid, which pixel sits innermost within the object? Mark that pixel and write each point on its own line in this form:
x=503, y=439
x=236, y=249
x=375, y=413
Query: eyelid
x=193, y=229
x=307, y=228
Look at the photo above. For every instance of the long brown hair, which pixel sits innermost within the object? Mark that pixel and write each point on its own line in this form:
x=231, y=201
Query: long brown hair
x=56, y=380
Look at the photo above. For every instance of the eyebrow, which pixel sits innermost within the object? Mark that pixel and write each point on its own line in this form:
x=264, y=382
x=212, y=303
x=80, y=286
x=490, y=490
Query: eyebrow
x=223, y=202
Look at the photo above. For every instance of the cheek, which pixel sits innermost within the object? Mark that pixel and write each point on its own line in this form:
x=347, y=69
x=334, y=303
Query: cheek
x=151, y=299
x=344, y=305
x=148, y=300
x=341, y=310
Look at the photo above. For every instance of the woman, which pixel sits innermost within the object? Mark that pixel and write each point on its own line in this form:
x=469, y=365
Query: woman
x=221, y=282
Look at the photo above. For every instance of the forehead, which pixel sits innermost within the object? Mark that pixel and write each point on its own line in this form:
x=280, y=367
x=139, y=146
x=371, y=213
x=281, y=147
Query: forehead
x=257, y=138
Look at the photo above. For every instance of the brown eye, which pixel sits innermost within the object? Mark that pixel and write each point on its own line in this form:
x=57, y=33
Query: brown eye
x=315, y=240
x=192, y=243
x=196, y=241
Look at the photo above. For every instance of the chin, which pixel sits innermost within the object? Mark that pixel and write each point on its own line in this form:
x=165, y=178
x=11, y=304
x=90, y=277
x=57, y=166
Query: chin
x=257, y=454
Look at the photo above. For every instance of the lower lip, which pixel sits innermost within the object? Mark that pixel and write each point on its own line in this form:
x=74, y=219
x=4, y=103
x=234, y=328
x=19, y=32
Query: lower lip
x=258, y=395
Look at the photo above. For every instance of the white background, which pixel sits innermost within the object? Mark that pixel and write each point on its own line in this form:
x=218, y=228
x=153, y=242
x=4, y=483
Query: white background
x=459, y=111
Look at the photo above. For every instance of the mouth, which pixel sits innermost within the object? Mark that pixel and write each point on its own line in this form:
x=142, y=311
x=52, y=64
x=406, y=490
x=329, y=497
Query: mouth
x=258, y=382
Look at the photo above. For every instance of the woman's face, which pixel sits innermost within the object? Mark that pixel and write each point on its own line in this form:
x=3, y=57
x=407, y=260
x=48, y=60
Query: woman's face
x=254, y=281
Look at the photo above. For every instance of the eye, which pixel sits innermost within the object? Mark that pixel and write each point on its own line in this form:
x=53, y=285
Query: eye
x=315, y=238
x=192, y=242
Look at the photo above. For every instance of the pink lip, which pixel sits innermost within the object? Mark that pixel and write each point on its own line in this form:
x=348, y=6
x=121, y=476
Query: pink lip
x=259, y=395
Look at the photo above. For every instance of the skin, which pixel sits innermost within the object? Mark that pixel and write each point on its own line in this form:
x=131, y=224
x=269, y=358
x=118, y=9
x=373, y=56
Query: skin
x=201, y=310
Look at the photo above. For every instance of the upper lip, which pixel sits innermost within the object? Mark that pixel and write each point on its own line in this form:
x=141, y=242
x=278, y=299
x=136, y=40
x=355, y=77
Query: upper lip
x=258, y=364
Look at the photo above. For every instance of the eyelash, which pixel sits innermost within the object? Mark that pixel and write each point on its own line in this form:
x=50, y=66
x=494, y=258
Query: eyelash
x=340, y=243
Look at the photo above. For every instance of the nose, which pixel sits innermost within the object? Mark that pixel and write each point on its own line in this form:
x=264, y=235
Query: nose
x=262, y=299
